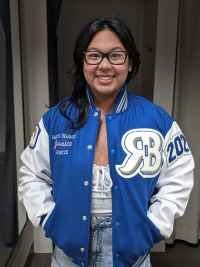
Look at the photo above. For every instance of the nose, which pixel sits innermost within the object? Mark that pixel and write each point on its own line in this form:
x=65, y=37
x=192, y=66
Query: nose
x=105, y=63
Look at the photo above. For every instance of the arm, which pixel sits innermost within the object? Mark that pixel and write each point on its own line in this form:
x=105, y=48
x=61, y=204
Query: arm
x=174, y=184
x=35, y=183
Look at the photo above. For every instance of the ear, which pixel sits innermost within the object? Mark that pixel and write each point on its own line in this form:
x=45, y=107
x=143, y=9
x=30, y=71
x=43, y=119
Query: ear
x=130, y=65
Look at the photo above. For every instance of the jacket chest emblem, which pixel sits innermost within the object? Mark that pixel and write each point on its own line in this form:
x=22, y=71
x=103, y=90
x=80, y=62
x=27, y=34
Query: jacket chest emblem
x=144, y=153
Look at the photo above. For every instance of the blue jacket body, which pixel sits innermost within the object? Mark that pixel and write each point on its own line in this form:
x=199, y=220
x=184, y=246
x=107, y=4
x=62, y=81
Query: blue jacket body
x=146, y=150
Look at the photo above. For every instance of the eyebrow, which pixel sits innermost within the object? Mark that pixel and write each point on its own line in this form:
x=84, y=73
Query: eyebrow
x=113, y=49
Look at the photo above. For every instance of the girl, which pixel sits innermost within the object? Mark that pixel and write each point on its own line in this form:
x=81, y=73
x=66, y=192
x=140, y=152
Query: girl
x=106, y=172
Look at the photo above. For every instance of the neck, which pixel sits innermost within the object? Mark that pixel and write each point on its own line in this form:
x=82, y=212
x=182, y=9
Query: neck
x=105, y=103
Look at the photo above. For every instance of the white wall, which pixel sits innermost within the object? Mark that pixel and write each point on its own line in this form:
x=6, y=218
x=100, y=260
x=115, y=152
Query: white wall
x=149, y=48
x=35, y=61
x=17, y=90
x=166, y=44
x=187, y=109
x=35, y=79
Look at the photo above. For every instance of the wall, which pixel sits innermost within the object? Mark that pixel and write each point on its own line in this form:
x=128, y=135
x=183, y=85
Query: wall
x=166, y=45
x=35, y=79
x=18, y=103
x=187, y=109
x=2, y=88
x=149, y=48
x=34, y=38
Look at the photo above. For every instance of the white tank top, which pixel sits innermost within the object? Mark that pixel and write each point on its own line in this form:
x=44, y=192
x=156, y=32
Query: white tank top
x=101, y=191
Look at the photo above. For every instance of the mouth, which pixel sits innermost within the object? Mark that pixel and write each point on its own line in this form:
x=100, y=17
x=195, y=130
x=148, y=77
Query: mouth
x=105, y=78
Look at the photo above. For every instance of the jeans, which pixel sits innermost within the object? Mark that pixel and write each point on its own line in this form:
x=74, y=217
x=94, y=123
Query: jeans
x=100, y=249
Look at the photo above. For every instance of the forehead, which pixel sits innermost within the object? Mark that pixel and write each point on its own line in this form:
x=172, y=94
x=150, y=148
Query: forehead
x=106, y=40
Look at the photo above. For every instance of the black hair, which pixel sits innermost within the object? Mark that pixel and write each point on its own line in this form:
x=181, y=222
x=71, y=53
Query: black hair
x=79, y=96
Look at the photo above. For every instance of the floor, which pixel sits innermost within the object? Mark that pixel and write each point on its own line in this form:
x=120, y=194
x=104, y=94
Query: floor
x=4, y=252
x=180, y=254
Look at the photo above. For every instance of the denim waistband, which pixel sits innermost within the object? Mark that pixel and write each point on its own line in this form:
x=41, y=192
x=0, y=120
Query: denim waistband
x=100, y=222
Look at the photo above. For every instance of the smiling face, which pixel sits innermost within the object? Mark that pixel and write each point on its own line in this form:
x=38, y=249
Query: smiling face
x=106, y=79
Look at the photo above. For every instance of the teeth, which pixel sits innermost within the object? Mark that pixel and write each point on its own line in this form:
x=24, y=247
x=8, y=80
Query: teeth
x=105, y=78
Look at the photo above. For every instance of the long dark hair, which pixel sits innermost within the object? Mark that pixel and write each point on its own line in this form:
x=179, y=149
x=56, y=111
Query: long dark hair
x=79, y=96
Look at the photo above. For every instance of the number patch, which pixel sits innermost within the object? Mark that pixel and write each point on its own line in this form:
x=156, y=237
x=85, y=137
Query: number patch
x=176, y=148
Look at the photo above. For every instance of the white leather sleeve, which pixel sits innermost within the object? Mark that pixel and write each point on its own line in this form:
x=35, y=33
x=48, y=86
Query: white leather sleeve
x=174, y=184
x=35, y=183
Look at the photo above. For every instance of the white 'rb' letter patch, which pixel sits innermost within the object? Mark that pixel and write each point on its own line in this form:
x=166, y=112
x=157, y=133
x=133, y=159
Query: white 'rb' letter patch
x=144, y=153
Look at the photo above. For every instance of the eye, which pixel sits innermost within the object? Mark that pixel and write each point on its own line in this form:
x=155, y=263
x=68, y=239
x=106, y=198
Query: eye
x=93, y=55
x=113, y=55
x=116, y=56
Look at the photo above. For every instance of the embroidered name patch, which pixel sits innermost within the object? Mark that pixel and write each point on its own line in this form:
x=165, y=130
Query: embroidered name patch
x=61, y=142
x=34, y=137
x=144, y=153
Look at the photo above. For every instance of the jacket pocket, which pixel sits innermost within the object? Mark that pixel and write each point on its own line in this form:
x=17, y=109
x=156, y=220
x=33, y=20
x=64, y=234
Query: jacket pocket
x=156, y=230
x=48, y=215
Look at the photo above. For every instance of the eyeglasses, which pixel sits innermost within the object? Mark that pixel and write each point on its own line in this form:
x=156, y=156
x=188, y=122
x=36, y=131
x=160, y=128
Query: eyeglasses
x=114, y=57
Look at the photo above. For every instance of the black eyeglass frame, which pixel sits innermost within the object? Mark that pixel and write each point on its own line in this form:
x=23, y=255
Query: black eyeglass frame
x=107, y=56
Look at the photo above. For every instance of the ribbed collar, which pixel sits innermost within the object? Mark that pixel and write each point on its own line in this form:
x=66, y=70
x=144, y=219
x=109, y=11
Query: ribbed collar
x=122, y=100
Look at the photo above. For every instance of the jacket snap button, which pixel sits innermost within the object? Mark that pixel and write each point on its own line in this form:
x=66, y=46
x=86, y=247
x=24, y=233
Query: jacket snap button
x=112, y=151
x=96, y=114
x=84, y=218
x=117, y=224
x=82, y=249
x=110, y=118
x=116, y=187
x=86, y=183
x=89, y=147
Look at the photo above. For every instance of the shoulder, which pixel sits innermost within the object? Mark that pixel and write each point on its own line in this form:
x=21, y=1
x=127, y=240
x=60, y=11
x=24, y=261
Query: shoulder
x=151, y=112
x=53, y=114
x=145, y=104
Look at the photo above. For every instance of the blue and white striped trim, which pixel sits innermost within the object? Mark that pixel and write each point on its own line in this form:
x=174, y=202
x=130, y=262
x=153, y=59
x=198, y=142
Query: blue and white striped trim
x=123, y=103
x=140, y=260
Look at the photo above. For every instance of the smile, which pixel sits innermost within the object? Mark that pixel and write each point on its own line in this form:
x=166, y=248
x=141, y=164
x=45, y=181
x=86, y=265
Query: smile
x=105, y=77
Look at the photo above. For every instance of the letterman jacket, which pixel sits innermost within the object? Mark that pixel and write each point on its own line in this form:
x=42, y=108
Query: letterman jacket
x=151, y=167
